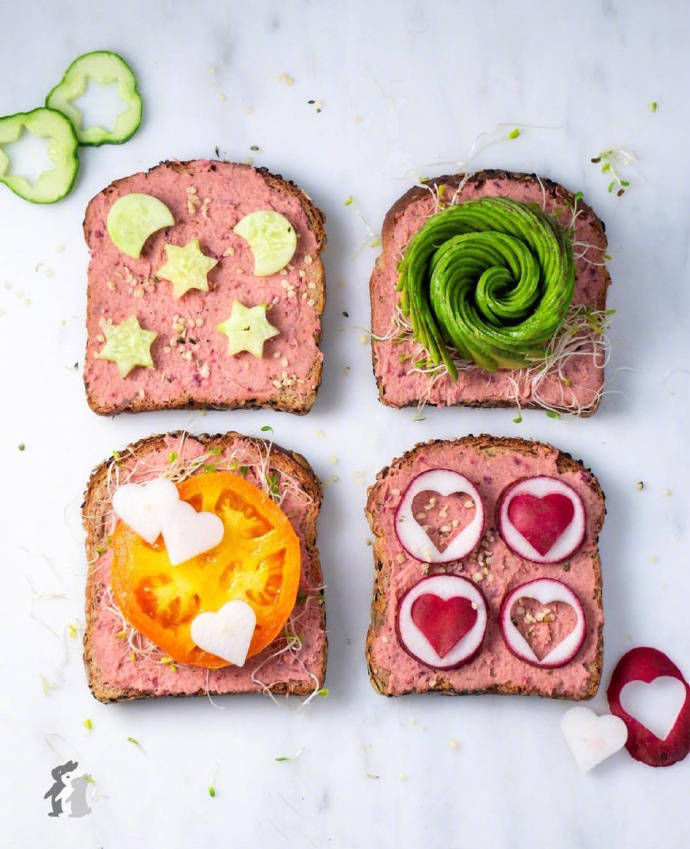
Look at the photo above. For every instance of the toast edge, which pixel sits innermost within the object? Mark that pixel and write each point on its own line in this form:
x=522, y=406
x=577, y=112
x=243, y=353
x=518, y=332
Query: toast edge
x=96, y=536
x=378, y=676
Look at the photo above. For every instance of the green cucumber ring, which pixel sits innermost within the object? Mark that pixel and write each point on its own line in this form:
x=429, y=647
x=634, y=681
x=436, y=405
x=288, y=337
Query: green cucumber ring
x=54, y=183
x=491, y=279
x=103, y=67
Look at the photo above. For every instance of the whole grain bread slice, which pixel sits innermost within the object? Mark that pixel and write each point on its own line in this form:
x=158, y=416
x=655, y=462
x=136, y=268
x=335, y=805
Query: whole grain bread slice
x=192, y=370
x=490, y=463
x=401, y=384
x=122, y=665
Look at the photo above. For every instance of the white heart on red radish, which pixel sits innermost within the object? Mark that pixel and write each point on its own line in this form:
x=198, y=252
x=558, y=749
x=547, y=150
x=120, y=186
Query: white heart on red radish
x=592, y=738
x=187, y=533
x=545, y=591
x=655, y=704
x=541, y=519
x=226, y=633
x=442, y=621
x=141, y=506
x=411, y=534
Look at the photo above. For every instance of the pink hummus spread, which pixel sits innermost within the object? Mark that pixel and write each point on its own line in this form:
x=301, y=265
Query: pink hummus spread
x=496, y=570
x=206, y=199
x=146, y=672
x=399, y=386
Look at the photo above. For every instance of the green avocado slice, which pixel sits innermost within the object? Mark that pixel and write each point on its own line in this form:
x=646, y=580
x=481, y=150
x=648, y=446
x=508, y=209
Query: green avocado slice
x=490, y=279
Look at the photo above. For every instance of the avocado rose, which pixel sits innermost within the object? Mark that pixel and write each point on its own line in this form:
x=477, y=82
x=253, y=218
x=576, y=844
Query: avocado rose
x=488, y=280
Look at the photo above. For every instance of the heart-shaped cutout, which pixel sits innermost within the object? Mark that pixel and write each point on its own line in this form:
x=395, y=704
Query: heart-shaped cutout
x=563, y=645
x=443, y=517
x=187, y=533
x=656, y=704
x=444, y=622
x=142, y=506
x=543, y=626
x=226, y=633
x=414, y=533
x=592, y=738
x=541, y=521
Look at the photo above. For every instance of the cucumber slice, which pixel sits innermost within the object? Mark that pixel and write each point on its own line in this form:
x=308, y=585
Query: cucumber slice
x=104, y=68
x=247, y=328
x=133, y=218
x=272, y=239
x=54, y=183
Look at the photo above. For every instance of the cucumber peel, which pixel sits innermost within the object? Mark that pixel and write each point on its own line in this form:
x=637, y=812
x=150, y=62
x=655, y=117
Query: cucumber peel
x=133, y=218
x=490, y=279
x=272, y=239
x=54, y=183
x=104, y=68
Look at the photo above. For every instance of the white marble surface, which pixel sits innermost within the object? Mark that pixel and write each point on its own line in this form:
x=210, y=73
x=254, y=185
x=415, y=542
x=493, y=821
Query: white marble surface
x=405, y=86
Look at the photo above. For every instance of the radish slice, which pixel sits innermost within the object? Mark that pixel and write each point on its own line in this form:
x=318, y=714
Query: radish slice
x=412, y=536
x=647, y=664
x=545, y=591
x=442, y=621
x=541, y=519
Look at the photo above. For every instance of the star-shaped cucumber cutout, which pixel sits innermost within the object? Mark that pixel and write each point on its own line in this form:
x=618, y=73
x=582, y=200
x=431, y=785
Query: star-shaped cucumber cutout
x=187, y=268
x=127, y=345
x=247, y=329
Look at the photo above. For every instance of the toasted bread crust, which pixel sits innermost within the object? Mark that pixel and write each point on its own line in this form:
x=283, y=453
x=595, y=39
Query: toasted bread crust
x=96, y=533
x=552, y=190
x=286, y=399
x=379, y=675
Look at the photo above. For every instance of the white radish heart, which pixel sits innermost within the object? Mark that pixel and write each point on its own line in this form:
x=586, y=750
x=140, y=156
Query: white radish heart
x=592, y=738
x=227, y=633
x=655, y=704
x=545, y=591
x=412, y=536
x=187, y=533
x=141, y=506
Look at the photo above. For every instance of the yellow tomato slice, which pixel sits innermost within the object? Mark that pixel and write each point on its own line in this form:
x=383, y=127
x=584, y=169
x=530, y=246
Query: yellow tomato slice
x=257, y=561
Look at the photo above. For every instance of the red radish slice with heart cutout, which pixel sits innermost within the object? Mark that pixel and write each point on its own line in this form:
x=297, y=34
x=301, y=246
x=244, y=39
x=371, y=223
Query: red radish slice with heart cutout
x=412, y=536
x=545, y=591
x=442, y=621
x=647, y=664
x=541, y=519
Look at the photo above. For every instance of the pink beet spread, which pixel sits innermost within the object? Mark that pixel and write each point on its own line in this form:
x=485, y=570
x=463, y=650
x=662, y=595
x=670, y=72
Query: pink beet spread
x=112, y=655
x=120, y=287
x=544, y=626
x=476, y=385
x=490, y=470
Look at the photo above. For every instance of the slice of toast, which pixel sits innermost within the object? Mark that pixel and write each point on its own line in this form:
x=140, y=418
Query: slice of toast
x=490, y=463
x=192, y=367
x=576, y=388
x=120, y=663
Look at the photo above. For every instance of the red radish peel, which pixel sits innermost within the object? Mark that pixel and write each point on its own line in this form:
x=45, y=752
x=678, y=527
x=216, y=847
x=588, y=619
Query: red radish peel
x=541, y=519
x=412, y=536
x=442, y=621
x=545, y=591
x=646, y=664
